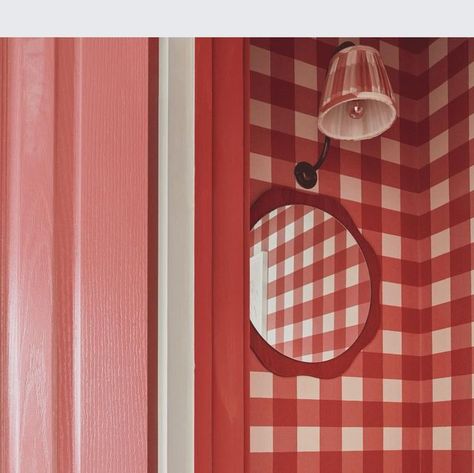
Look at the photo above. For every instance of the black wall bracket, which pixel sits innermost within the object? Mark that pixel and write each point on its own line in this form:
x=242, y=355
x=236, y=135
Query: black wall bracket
x=305, y=172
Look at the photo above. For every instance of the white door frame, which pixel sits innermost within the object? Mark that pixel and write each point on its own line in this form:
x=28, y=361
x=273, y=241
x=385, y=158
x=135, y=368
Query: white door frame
x=176, y=257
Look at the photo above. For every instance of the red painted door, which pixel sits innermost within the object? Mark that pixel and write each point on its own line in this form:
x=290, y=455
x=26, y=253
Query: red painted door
x=78, y=255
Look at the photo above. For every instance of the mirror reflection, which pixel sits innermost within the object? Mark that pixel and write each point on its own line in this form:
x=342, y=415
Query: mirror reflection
x=310, y=286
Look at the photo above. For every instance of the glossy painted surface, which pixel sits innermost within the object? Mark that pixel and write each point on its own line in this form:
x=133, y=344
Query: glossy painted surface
x=77, y=291
x=222, y=214
x=203, y=432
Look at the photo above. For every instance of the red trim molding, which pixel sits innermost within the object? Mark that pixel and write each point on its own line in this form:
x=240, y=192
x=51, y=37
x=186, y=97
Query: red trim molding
x=221, y=265
x=203, y=257
x=271, y=358
x=152, y=257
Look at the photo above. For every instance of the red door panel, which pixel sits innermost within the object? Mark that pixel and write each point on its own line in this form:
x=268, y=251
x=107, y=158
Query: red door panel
x=77, y=234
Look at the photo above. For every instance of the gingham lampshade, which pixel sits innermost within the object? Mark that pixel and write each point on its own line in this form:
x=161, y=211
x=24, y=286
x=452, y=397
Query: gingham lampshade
x=358, y=101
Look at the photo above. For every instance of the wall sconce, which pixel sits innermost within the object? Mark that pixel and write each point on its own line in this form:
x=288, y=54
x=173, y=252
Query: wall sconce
x=357, y=103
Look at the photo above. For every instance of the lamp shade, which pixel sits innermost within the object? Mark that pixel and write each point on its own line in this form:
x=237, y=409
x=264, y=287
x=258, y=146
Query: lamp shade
x=358, y=101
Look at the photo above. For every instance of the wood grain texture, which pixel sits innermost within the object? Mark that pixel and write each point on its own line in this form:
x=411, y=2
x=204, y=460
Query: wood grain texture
x=75, y=245
x=113, y=258
x=4, y=404
x=65, y=423
x=29, y=230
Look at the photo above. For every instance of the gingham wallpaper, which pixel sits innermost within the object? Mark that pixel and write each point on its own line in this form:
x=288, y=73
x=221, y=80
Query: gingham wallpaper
x=406, y=402
x=445, y=133
x=318, y=287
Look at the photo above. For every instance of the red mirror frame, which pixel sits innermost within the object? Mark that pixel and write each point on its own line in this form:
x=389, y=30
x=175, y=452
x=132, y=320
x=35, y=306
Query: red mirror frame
x=271, y=358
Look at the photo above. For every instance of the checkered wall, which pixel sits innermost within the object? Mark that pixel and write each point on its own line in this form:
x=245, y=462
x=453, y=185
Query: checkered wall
x=446, y=132
x=318, y=286
x=405, y=403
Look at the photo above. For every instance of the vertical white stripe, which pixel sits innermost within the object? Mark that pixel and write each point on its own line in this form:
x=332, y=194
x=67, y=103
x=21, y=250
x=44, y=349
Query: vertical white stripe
x=176, y=257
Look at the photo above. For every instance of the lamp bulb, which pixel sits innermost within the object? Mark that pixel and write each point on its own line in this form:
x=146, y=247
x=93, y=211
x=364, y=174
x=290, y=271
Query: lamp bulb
x=355, y=109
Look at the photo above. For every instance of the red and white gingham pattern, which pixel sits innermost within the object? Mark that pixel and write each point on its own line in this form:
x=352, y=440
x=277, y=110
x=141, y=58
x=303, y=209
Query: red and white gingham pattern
x=318, y=290
x=447, y=272
x=406, y=403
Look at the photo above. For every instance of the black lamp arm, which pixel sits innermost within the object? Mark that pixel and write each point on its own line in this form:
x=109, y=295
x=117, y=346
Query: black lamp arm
x=305, y=172
x=324, y=153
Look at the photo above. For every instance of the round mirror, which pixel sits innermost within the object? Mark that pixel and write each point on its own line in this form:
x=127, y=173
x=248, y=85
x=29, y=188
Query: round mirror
x=311, y=287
